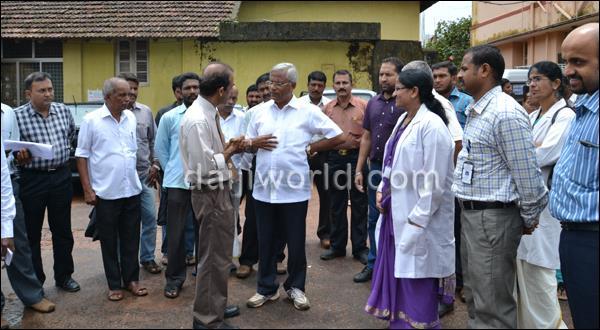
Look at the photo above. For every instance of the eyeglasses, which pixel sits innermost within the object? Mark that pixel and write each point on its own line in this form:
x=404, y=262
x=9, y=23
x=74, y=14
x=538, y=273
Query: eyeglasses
x=277, y=84
x=535, y=80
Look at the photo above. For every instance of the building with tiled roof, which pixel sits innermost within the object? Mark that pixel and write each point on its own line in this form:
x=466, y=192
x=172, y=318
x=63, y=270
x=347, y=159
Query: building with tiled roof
x=82, y=43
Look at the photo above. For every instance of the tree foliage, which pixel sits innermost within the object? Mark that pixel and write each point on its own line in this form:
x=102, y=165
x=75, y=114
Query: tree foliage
x=451, y=39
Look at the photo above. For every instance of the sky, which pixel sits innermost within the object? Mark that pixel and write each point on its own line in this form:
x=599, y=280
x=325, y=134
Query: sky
x=443, y=11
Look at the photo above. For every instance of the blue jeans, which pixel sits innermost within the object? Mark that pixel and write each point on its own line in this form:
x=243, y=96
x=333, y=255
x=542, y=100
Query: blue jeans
x=372, y=183
x=189, y=236
x=148, y=211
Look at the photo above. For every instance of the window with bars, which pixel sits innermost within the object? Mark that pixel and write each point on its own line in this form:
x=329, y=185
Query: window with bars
x=132, y=57
x=22, y=57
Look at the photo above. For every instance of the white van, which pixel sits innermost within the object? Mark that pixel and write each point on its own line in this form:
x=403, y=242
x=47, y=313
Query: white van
x=518, y=79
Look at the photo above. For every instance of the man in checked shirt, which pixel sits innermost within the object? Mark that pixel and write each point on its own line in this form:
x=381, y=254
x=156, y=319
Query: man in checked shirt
x=499, y=187
x=46, y=184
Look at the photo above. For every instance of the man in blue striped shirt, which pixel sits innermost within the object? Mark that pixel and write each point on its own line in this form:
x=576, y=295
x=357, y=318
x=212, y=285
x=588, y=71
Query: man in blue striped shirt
x=574, y=195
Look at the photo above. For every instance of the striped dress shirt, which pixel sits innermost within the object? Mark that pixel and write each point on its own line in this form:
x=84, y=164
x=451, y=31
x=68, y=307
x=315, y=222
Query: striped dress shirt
x=498, y=142
x=58, y=130
x=574, y=195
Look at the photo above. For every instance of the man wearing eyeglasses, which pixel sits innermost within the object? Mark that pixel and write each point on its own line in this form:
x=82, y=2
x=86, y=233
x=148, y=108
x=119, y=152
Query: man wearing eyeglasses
x=282, y=186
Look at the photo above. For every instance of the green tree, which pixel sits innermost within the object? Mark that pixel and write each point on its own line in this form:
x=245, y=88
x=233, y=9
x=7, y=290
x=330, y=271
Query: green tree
x=451, y=39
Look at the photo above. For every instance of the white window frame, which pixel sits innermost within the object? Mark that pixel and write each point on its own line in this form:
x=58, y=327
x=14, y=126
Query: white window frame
x=133, y=46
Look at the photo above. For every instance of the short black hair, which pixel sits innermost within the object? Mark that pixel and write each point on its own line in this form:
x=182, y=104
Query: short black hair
x=129, y=77
x=215, y=79
x=318, y=76
x=188, y=75
x=492, y=56
x=452, y=69
x=395, y=61
x=504, y=81
x=251, y=88
x=36, y=76
x=263, y=78
x=343, y=72
x=176, y=82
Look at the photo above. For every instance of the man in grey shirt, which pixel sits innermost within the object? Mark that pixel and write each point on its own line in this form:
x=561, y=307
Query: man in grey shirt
x=147, y=168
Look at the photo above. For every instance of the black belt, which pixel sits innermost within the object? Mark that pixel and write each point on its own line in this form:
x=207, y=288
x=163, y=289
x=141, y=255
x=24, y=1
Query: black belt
x=346, y=152
x=580, y=226
x=46, y=170
x=476, y=205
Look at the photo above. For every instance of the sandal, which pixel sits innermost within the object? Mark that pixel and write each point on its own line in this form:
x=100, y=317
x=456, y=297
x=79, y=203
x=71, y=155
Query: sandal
x=136, y=290
x=115, y=295
x=172, y=291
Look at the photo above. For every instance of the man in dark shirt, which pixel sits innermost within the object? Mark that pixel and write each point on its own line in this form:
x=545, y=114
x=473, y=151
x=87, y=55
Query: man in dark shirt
x=380, y=118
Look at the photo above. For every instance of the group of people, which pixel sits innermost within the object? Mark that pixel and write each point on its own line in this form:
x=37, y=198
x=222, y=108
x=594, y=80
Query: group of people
x=459, y=190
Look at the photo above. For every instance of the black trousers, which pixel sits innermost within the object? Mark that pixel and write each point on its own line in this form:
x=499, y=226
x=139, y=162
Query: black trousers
x=276, y=221
x=579, y=266
x=340, y=189
x=20, y=272
x=41, y=190
x=249, y=255
x=118, y=224
x=179, y=204
x=317, y=165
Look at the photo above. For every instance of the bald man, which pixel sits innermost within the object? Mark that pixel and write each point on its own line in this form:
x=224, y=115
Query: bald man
x=574, y=194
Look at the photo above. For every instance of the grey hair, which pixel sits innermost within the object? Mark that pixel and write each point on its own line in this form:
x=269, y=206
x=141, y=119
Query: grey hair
x=110, y=85
x=290, y=71
x=418, y=65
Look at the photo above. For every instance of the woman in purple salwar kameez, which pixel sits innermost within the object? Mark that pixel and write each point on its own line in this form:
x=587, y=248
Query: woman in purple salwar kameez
x=415, y=254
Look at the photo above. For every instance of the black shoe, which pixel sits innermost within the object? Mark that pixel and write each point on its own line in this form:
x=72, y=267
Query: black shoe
x=364, y=275
x=69, y=285
x=232, y=311
x=197, y=325
x=444, y=309
x=363, y=257
x=332, y=254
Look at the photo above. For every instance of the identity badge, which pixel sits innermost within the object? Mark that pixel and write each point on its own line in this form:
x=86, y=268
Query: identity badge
x=467, y=172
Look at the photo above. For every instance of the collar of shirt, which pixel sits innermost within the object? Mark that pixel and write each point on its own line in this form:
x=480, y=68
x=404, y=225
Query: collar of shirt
x=104, y=112
x=203, y=103
x=180, y=109
x=32, y=112
x=380, y=97
x=587, y=101
x=455, y=93
x=234, y=114
x=480, y=105
x=353, y=101
x=294, y=103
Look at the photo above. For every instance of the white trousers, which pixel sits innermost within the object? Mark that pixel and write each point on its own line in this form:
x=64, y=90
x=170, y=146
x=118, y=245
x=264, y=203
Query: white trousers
x=537, y=302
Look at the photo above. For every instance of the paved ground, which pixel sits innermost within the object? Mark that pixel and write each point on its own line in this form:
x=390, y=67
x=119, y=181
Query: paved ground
x=336, y=301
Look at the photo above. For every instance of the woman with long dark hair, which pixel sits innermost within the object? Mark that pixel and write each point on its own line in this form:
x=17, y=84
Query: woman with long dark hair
x=537, y=256
x=415, y=255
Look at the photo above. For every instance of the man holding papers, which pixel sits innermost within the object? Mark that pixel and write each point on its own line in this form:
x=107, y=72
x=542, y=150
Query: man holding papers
x=46, y=183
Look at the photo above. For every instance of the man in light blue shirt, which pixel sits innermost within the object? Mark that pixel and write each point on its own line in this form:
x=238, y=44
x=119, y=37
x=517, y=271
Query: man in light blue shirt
x=179, y=208
x=574, y=190
x=444, y=82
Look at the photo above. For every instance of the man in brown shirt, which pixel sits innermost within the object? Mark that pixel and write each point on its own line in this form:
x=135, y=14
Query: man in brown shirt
x=347, y=112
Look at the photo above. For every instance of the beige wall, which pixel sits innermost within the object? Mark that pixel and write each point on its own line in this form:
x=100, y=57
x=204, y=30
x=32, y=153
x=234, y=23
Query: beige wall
x=532, y=17
x=544, y=47
x=399, y=19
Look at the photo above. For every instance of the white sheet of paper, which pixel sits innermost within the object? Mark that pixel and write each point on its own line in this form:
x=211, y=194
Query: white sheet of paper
x=40, y=150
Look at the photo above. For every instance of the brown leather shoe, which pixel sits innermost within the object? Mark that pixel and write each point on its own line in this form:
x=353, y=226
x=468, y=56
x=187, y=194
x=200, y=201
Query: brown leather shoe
x=43, y=306
x=325, y=243
x=281, y=268
x=243, y=271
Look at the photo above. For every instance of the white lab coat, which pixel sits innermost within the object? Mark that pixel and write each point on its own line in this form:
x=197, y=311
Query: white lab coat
x=541, y=248
x=425, y=146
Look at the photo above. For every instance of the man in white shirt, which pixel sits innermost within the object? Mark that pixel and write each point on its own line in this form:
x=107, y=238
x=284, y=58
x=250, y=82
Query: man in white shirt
x=20, y=272
x=317, y=81
x=106, y=161
x=282, y=186
x=8, y=214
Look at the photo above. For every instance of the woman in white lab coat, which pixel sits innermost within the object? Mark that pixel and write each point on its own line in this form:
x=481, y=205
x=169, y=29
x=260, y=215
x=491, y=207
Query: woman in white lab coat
x=537, y=256
x=416, y=227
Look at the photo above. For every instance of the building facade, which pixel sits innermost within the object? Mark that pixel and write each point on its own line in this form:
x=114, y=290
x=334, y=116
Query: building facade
x=82, y=43
x=529, y=31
